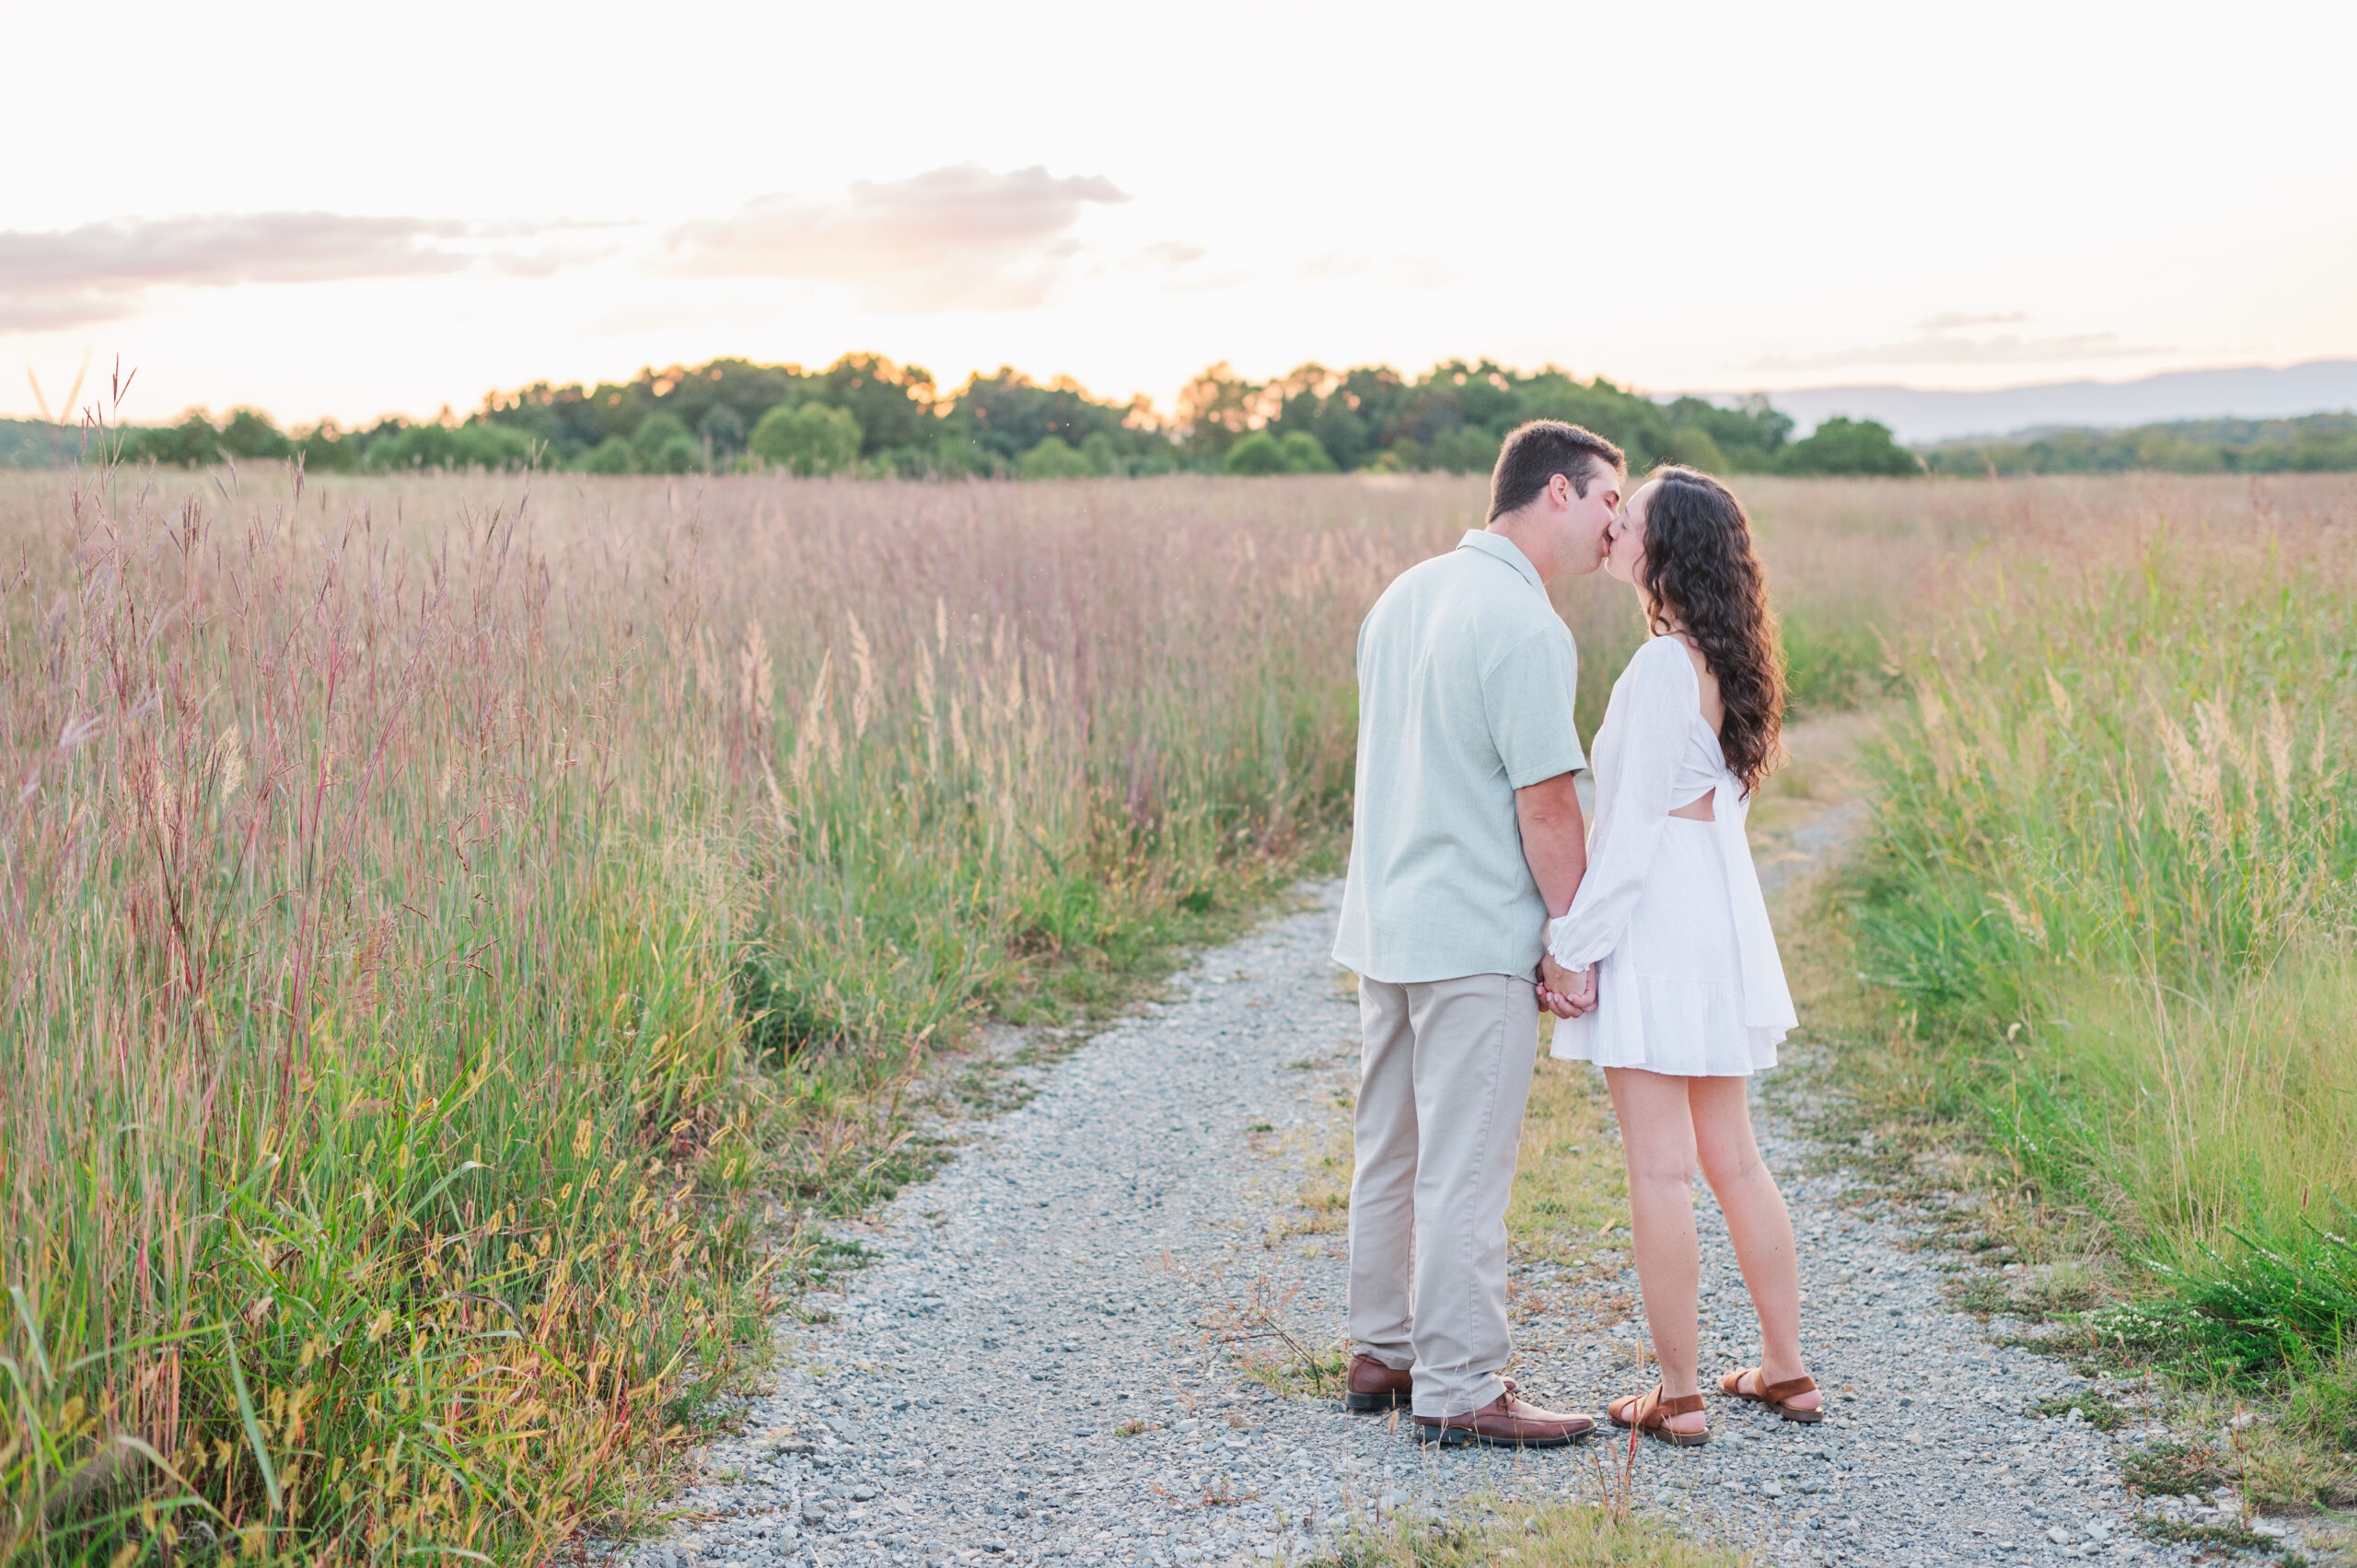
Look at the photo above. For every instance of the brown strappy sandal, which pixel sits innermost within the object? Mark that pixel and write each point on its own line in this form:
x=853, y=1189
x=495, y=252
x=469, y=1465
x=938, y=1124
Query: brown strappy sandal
x=1773, y=1395
x=1650, y=1413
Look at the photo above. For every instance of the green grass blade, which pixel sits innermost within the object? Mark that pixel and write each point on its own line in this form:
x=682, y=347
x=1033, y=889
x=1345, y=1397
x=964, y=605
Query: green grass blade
x=252, y=1422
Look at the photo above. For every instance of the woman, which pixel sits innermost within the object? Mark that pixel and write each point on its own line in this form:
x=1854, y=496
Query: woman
x=1675, y=980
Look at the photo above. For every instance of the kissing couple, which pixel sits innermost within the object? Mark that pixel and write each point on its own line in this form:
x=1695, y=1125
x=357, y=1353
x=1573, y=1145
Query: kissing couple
x=1476, y=897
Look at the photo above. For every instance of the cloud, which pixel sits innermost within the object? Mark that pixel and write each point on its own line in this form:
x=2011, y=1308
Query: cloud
x=959, y=237
x=103, y=272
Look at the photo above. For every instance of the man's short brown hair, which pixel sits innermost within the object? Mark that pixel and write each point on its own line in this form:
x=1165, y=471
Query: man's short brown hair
x=1536, y=452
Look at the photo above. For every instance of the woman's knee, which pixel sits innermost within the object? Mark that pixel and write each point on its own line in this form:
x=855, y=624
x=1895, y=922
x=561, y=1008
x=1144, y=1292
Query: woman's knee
x=1731, y=1164
x=1723, y=1141
x=1657, y=1130
x=1659, y=1169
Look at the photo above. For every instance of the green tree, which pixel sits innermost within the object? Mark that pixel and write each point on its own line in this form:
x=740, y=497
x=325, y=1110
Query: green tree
x=658, y=441
x=955, y=454
x=1255, y=454
x=678, y=454
x=1103, y=454
x=1466, y=449
x=450, y=446
x=1008, y=414
x=1638, y=426
x=328, y=448
x=723, y=429
x=249, y=433
x=1053, y=460
x=809, y=439
x=2318, y=450
x=1151, y=452
x=1322, y=404
x=1848, y=446
x=2199, y=446
x=1748, y=436
x=611, y=456
x=1693, y=446
x=1303, y=454
x=1217, y=410
x=192, y=442
x=891, y=405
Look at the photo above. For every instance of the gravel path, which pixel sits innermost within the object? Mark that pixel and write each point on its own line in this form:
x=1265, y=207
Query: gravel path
x=1035, y=1368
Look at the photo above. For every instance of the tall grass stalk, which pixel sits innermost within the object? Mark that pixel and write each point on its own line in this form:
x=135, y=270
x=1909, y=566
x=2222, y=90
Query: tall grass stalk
x=2113, y=866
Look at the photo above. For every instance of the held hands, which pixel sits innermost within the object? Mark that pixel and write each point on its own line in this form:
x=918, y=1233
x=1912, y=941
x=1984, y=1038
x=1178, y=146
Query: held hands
x=1563, y=994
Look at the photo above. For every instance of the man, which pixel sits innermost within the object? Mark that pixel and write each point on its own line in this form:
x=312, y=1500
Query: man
x=1465, y=840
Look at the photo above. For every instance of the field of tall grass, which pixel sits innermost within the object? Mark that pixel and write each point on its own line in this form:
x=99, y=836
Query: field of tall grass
x=2111, y=885
x=432, y=910
x=455, y=926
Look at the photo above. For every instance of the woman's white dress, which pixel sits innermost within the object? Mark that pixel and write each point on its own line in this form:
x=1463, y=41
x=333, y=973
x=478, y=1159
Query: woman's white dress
x=1689, y=982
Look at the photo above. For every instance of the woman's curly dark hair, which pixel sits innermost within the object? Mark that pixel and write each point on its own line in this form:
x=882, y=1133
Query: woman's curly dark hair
x=1703, y=576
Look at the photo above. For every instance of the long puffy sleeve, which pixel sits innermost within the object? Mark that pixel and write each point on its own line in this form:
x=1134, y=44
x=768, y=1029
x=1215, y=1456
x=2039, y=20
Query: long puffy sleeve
x=1652, y=714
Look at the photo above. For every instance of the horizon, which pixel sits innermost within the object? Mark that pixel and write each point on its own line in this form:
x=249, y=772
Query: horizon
x=1808, y=405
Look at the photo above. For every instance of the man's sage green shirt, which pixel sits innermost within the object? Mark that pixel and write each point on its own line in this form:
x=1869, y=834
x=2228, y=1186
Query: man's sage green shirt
x=1466, y=681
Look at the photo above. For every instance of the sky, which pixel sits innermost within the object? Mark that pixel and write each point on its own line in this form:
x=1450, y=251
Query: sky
x=348, y=212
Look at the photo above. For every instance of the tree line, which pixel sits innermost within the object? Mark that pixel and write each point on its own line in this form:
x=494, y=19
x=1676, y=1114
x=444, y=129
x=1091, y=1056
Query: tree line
x=865, y=416
x=2316, y=443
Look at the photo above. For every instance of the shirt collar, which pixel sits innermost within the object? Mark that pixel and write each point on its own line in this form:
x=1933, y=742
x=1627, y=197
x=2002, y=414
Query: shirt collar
x=1504, y=549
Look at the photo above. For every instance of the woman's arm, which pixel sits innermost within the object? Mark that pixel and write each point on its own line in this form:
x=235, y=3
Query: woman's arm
x=1660, y=691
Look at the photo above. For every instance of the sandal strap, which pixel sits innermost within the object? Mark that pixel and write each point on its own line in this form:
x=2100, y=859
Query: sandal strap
x=1650, y=1410
x=1770, y=1393
x=1655, y=1407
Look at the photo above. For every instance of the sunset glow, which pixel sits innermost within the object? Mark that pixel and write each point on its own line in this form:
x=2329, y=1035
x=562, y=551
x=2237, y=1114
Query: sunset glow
x=321, y=215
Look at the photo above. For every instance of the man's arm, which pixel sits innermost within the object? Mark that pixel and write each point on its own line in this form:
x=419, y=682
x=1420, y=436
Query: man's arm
x=1554, y=842
x=1554, y=839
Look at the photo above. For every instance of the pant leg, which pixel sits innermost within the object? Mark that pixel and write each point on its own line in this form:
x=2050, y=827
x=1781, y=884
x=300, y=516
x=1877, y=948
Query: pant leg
x=1476, y=1040
x=1383, y=1182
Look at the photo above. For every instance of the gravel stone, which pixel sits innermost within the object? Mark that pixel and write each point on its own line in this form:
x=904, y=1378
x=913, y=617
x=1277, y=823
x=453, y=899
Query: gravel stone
x=1039, y=1365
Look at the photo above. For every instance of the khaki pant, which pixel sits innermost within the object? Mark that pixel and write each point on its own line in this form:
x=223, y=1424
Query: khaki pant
x=1443, y=1079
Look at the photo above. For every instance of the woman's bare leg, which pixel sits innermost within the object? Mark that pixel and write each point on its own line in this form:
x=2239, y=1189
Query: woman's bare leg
x=1757, y=1222
x=1657, y=1136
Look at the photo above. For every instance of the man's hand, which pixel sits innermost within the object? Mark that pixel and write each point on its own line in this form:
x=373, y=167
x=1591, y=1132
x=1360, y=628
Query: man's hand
x=1563, y=994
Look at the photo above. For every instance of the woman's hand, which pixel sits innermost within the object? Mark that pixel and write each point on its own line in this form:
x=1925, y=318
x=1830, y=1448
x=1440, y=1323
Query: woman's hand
x=1564, y=993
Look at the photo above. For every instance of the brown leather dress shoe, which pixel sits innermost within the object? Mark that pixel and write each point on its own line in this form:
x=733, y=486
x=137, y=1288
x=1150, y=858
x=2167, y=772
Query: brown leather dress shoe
x=1505, y=1422
x=1375, y=1386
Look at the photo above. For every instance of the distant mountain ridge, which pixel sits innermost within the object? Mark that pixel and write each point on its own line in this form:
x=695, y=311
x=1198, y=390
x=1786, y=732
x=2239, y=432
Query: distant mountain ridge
x=1920, y=417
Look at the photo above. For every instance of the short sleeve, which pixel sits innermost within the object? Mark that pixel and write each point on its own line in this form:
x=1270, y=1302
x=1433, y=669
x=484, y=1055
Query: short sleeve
x=1528, y=695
